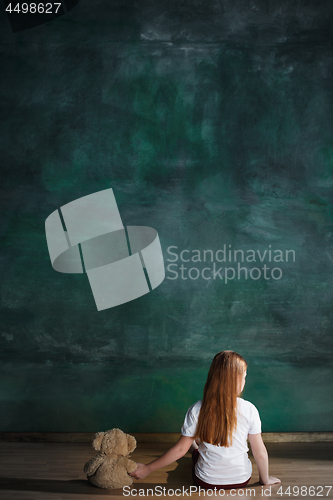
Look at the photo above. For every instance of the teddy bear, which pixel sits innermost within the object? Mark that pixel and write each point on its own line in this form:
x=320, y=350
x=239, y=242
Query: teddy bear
x=110, y=467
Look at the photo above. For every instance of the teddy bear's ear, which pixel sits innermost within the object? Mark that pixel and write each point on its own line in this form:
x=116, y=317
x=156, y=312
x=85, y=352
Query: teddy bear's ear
x=97, y=441
x=131, y=443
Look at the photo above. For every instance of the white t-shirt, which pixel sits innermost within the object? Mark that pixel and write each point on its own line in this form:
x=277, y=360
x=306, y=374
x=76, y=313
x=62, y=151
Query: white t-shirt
x=218, y=464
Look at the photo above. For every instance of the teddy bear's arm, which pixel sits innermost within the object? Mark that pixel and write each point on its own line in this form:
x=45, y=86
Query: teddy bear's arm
x=131, y=466
x=93, y=464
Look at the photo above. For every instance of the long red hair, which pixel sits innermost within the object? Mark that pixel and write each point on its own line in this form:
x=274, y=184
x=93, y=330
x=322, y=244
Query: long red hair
x=218, y=414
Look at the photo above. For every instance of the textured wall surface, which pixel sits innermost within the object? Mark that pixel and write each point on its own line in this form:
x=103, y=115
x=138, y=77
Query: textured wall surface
x=213, y=123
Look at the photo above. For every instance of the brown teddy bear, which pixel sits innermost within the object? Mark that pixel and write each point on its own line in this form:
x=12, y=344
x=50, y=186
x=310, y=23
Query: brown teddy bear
x=110, y=467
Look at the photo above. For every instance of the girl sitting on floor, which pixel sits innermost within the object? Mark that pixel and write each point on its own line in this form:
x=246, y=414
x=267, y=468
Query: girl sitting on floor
x=217, y=428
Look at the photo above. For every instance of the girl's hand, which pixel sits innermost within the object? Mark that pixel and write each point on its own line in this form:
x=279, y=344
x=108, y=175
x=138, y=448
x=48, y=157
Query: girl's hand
x=271, y=480
x=141, y=472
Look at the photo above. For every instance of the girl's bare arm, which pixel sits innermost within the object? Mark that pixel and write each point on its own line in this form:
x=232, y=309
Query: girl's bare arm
x=261, y=457
x=170, y=456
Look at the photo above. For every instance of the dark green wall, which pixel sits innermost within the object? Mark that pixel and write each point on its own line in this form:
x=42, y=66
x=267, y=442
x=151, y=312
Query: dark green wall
x=212, y=122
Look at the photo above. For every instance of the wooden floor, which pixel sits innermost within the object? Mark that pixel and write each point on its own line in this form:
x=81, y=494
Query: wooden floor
x=54, y=471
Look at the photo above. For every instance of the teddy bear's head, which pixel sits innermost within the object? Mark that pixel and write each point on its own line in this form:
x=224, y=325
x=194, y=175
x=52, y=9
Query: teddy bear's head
x=114, y=441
